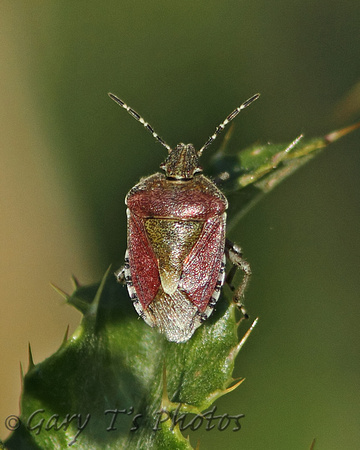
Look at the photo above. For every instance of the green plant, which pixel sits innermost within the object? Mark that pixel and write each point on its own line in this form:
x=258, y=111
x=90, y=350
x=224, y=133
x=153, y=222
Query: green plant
x=117, y=383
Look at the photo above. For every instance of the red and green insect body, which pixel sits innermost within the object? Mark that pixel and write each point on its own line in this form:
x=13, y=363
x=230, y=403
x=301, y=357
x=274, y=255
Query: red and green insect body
x=175, y=261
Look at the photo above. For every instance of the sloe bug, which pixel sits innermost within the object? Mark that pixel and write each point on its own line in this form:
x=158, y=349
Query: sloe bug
x=176, y=245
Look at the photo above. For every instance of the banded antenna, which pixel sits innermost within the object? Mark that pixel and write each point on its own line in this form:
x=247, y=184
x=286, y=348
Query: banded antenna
x=137, y=116
x=229, y=118
x=211, y=139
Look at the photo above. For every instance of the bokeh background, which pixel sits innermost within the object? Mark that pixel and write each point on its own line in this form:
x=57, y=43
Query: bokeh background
x=69, y=155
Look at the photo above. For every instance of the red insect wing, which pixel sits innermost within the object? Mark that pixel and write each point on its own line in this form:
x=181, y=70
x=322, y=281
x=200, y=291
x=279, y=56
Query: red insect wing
x=201, y=269
x=143, y=264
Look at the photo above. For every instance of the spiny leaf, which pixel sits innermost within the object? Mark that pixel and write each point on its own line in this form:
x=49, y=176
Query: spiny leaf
x=117, y=383
x=258, y=169
x=117, y=372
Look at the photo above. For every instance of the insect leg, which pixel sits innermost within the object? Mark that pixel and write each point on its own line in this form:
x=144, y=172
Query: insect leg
x=120, y=275
x=234, y=254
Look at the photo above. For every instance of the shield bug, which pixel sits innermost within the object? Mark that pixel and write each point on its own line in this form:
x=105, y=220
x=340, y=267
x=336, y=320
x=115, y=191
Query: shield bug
x=176, y=245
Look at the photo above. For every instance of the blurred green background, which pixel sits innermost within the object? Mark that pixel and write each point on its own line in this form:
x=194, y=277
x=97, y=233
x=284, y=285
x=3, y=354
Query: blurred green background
x=69, y=155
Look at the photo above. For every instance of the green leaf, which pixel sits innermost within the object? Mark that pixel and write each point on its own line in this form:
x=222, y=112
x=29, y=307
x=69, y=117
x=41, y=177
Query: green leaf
x=116, y=382
x=255, y=171
x=116, y=362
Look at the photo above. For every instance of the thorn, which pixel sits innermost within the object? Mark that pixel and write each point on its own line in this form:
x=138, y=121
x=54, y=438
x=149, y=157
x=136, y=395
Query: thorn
x=226, y=140
x=31, y=361
x=75, y=282
x=100, y=289
x=233, y=387
x=21, y=374
x=60, y=291
x=312, y=446
x=66, y=336
x=93, y=310
x=246, y=335
x=335, y=135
